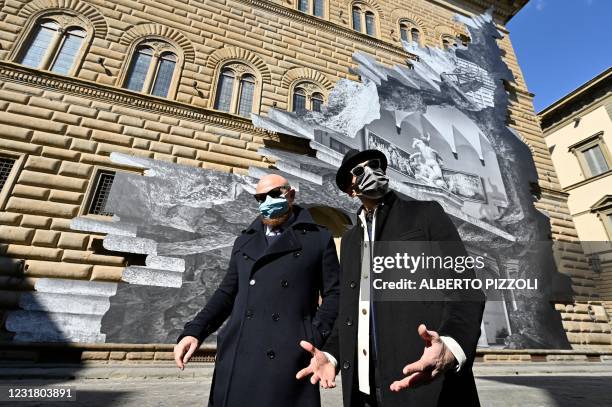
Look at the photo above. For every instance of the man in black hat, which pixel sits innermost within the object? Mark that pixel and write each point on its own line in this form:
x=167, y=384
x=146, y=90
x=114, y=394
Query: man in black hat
x=390, y=352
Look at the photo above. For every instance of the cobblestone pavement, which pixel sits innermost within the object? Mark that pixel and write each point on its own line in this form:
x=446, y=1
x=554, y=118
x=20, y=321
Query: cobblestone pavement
x=560, y=389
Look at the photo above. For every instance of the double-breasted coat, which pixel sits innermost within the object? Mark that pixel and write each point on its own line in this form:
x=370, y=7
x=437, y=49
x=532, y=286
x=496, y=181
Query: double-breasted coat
x=271, y=295
x=397, y=321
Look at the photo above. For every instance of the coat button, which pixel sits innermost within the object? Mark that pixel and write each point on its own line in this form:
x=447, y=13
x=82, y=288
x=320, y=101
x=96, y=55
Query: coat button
x=346, y=365
x=271, y=354
x=324, y=333
x=252, y=282
x=245, y=256
x=296, y=254
x=275, y=317
x=349, y=322
x=284, y=283
x=353, y=284
x=303, y=231
x=249, y=313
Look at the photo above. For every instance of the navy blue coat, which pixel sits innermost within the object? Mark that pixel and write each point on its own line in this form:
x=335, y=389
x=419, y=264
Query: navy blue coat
x=271, y=295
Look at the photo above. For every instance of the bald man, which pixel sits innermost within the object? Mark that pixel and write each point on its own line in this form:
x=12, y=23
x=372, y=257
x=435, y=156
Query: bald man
x=279, y=267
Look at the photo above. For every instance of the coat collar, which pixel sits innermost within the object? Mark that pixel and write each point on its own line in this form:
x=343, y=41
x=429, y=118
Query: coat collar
x=382, y=211
x=256, y=247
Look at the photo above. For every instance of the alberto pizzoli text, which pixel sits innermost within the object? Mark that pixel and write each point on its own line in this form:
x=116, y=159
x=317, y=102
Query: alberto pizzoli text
x=454, y=264
x=457, y=284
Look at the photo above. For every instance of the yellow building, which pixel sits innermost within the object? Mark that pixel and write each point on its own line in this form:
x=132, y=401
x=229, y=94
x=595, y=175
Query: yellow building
x=578, y=131
x=176, y=81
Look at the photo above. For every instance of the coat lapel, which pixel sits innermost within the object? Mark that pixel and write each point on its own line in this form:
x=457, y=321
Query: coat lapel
x=351, y=262
x=255, y=243
x=286, y=242
x=258, y=249
x=382, y=213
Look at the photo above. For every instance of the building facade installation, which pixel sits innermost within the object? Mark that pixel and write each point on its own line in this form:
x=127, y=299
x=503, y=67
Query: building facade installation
x=178, y=81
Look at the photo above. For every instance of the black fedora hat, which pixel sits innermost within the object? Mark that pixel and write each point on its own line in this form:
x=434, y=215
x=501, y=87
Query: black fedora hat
x=351, y=159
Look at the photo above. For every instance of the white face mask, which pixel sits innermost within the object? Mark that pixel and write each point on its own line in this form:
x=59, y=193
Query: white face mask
x=372, y=184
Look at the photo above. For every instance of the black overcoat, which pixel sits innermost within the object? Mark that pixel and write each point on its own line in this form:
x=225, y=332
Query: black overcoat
x=271, y=295
x=397, y=321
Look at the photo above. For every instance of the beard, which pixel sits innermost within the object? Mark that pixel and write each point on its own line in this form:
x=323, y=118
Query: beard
x=279, y=220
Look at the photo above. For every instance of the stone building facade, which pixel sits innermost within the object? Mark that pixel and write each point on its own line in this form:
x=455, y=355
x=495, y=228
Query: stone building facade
x=176, y=81
x=577, y=129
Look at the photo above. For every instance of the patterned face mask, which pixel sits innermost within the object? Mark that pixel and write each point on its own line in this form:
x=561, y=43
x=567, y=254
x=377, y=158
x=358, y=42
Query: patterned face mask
x=372, y=183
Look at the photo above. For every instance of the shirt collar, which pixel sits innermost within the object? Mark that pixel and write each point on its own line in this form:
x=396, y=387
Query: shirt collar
x=385, y=200
x=279, y=229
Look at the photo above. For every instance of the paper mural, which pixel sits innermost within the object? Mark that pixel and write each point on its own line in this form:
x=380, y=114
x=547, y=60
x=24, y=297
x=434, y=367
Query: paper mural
x=442, y=124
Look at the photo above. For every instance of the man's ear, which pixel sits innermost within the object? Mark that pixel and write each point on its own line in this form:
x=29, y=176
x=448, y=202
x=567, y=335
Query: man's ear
x=291, y=195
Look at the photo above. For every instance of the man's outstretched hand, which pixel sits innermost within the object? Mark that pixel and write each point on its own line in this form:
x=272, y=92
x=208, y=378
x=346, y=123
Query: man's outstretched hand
x=320, y=367
x=436, y=359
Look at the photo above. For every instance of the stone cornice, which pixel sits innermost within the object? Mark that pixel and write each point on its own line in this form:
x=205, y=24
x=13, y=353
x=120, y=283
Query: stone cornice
x=549, y=128
x=588, y=180
x=506, y=12
x=92, y=90
x=589, y=91
x=514, y=87
x=554, y=192
x=599, y=81
x=329, y=26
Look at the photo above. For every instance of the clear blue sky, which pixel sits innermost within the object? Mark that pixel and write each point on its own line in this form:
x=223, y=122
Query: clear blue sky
x=560, y=44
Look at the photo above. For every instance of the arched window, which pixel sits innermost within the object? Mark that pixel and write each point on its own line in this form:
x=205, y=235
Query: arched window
x=307, y=96
x=299, y=100
x=152, y=68
x=410, y=33
x=303, y=6
x=247, y=91
x=363, y=20
x=317, y=101
x=54, y=46
x=313, y=7
x=165, y=71
x=356, y=18
x=448, y=42
x=318, y=8
x=416, y=35
x=236, y=90
x=225, y=88
x=370, y=21
x=465, y=40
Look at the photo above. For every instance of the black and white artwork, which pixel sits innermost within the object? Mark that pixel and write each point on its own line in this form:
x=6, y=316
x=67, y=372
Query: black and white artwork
x=398, y=159
x=467, y=186
x=442, y=123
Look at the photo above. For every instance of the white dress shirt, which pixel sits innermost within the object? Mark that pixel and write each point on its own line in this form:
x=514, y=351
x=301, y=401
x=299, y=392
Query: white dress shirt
x=363, y=322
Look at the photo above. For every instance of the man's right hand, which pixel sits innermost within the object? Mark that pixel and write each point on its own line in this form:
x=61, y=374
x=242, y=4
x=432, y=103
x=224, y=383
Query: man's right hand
x=320, y=367
x=184, y=349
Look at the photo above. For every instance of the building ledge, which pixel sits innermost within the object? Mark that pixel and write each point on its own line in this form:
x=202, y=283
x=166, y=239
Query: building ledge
x=330, y=27
x=12, y=72
x=588, y=180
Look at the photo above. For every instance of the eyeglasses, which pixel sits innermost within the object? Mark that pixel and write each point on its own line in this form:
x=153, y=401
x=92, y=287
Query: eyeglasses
x=273, y=193
x=359, y=170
